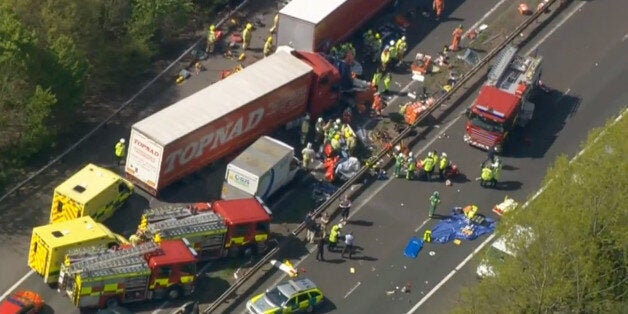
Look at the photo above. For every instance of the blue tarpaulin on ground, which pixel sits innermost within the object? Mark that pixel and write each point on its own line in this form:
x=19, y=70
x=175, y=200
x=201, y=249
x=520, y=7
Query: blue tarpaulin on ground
x=414, y=246
x=451, y=227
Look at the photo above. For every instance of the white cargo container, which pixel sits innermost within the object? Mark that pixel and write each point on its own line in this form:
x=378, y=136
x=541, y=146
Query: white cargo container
x=260, y=170
x=317, y=25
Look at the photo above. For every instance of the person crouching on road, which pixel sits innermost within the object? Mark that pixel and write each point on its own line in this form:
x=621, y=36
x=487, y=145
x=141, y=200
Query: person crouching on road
x=333, y=237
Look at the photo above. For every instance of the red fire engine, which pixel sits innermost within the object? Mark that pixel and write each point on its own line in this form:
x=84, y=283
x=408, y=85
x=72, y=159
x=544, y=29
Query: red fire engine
x=97, y=277
x=217, y=229
x=503, y=102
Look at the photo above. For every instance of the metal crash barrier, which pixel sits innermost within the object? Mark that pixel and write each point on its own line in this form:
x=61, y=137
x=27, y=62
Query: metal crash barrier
x=359, y=177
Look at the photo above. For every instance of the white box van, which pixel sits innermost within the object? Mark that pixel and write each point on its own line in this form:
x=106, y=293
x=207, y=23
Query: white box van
x=502, y=249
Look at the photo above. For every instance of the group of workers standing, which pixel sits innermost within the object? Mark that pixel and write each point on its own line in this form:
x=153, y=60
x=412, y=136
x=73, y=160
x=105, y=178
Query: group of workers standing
x=335, y=136
x=214, y=35
x=331, y=239
x=426, y=167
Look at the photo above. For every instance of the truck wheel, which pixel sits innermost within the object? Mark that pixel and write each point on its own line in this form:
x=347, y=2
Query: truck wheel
x=174, y=293
x=112, y=302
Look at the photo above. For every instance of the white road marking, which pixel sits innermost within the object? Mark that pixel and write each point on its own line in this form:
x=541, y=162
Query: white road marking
x=360, y=204
x=544, y=38
x=490, y=238
x=484, y=17
x=19, y=282
x=80, y=141
x=160, y=307
x=562, y=96
x=353, y=289
x=421, y=226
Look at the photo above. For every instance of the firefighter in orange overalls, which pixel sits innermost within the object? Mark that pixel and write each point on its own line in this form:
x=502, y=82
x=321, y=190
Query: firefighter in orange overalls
x=378, y=104
x=455, y=43
x=438, y=6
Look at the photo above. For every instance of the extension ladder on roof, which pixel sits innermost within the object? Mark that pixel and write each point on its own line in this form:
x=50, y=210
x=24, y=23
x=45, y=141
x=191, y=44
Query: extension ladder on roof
x=208, y=220
x=115, y=258
x=168, y=212
x=503, y=60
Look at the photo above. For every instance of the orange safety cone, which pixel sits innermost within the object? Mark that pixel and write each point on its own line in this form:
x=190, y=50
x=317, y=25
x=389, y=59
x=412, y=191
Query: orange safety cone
x=524, y=9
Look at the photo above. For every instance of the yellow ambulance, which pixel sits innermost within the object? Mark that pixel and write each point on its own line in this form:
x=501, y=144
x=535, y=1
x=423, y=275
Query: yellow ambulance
x=93, y=191
x=51, y=243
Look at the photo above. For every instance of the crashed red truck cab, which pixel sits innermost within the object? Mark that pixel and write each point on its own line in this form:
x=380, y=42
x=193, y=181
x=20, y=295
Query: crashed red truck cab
x=503, y=102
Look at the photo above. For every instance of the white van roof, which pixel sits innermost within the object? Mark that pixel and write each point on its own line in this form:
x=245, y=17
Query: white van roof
x=504, y=242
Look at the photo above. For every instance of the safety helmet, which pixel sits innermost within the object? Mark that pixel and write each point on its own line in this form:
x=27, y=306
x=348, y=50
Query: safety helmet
x=370, y=31
x=270, y=39
x=309, y=145
x=403, y=38
x=122, y=140
x=410, y=154
x=337, y=136
x=430, y=154
x=338, y=121
x=307, y=117
x=392, y=43
x=444, y=155
x=212, y=27
x=436, y=193
x=249, y=26
x=460, y=26
x=378, y=36
x=320, y=119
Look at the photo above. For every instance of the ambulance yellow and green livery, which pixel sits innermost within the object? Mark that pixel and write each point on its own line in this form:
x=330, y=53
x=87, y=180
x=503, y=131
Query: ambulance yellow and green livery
x=51, y=243
x=93, y=191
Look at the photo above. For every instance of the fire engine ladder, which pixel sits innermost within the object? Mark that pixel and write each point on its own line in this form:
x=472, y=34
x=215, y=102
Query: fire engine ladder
x=86, y=253
x=115, y=258
x=194, y=224
x=168, y=212
x=504, y=58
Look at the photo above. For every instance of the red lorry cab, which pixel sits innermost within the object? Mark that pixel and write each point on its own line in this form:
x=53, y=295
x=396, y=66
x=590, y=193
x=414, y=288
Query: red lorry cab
x=323, y=93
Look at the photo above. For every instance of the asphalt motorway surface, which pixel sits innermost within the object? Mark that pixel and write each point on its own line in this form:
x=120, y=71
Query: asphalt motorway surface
x=31, y=207
x=587, y=72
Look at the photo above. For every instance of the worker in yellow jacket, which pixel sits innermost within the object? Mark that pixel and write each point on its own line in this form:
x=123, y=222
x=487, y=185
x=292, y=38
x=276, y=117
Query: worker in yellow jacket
x=269, y=47
x=246, y=36
x=211, y=39
x=275, y=24
x=385, y=58
x=120, y=150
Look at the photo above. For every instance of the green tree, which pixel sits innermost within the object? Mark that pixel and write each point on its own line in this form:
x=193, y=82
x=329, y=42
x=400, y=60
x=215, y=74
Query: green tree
x=578, y=259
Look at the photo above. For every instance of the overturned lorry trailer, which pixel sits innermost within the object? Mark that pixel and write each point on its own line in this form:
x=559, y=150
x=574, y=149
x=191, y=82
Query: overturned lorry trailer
x=229, y=115
x=317, y=25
